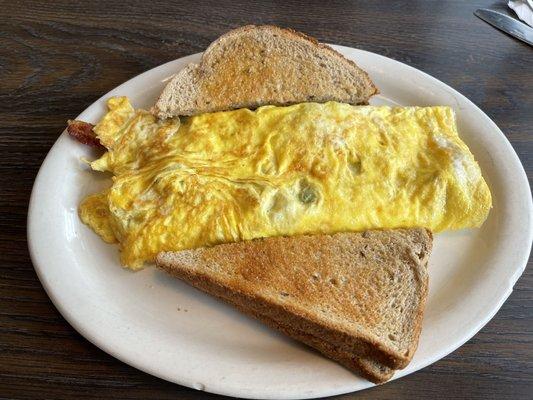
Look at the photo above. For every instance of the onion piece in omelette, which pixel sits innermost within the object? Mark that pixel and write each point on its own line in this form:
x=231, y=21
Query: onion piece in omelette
x=303, y=169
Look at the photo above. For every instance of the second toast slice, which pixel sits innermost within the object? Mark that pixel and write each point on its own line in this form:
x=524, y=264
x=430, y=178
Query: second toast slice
x=363, y=293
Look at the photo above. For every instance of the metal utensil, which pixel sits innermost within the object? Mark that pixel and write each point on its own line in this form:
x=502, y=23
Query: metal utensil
x=507, y=24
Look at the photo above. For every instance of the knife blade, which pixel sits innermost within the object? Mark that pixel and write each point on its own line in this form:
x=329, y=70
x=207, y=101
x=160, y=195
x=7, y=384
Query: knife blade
x=507, y=24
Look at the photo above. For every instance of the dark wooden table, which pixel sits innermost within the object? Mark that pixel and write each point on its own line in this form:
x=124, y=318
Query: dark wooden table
x=57, y=57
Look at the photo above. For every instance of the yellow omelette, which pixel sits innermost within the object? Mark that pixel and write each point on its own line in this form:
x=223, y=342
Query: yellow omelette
x=302, y=169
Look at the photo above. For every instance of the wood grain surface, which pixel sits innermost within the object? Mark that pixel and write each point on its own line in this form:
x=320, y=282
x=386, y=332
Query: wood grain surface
x=57, y=57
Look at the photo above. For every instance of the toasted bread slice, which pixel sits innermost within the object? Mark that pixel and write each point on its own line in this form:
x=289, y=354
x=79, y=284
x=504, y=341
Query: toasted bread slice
x=260, y=65
x=355, y=295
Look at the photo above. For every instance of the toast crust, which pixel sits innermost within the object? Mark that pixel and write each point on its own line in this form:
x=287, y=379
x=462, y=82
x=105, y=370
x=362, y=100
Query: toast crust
x=366, y=366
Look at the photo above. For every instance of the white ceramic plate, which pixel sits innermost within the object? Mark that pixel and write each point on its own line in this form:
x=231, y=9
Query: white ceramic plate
x=164, y=327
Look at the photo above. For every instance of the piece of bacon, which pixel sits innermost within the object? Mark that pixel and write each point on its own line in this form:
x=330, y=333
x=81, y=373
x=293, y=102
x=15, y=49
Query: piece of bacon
x=83, y=133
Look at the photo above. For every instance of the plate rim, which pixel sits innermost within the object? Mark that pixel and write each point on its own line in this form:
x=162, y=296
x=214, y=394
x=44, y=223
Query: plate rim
x=78, y=325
